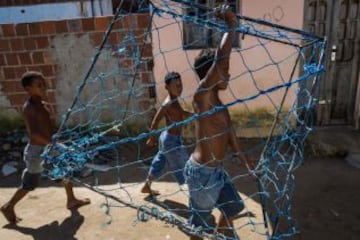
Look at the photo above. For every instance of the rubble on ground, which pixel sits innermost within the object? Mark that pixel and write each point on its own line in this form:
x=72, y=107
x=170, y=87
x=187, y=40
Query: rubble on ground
x=12, y=145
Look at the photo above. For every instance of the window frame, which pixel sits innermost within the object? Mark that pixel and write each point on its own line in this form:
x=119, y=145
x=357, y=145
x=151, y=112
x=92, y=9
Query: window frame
x=207, y=38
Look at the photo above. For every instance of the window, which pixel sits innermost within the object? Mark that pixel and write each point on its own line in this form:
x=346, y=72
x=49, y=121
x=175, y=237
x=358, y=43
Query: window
x=196, y=36
x=131, y=6
x=53, y=10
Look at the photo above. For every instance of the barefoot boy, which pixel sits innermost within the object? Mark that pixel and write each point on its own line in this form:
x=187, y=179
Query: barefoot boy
x=209, y=184
x=39, y=127
x=171, y=149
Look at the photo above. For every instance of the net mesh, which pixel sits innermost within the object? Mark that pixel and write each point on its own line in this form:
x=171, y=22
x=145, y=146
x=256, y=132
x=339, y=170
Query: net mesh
x=271, y=97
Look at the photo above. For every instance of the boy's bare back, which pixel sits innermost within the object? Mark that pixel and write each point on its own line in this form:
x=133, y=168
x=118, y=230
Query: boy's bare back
x=214, y=128
x=214, y=132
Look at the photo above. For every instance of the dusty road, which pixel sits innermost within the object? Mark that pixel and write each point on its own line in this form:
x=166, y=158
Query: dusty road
x=326, y=205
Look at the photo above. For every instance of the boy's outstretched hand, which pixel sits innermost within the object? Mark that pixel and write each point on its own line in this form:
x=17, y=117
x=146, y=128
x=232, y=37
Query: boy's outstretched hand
x=224, y=12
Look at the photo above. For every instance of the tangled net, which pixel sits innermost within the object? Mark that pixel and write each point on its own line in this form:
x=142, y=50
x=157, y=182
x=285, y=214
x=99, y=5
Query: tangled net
x=105, y=128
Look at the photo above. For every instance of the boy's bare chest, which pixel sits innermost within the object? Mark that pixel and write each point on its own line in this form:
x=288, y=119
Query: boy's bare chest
x=174, y=112
x=215, y=117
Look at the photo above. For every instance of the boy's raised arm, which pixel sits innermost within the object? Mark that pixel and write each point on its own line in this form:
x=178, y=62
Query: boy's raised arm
x=220, y=68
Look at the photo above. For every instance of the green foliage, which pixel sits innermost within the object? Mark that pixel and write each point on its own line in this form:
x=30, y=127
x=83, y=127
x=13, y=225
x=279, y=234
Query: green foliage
x=10, y=120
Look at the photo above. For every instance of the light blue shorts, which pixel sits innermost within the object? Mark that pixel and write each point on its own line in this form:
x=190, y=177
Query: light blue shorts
x=34, y=167
x=171, y=152
x=210, y=188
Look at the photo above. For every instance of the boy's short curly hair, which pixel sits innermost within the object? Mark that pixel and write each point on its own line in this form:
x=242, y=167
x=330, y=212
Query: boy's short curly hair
x=171, y=76
x=28, y=77
x=203, y=62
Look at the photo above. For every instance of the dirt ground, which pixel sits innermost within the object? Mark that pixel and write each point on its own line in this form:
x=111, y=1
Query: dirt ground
x=325, y=204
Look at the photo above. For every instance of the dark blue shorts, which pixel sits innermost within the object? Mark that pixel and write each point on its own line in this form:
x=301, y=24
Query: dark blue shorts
x=171, y=152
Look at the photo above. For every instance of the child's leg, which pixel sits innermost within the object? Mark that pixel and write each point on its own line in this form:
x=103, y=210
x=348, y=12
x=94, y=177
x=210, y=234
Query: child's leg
x=8, y=208
x=226, y=227
x=29, y=181
x=147, y=186
x=157, y=165
x=72, y=201
x=203, y=192
x=177, y=159
x=230, y=204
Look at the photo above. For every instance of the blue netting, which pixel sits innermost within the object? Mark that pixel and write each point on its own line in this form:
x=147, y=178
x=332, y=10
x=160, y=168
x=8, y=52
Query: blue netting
x=105, y=127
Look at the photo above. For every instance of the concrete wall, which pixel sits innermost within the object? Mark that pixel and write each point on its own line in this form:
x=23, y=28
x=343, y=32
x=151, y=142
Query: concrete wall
x=5, y=107
x=7, y=3
x=54, y=11
x=62, y=50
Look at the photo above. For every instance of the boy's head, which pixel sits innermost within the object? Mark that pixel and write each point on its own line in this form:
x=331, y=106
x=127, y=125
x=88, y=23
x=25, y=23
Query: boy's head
x=173, y=84
x=171, y=76
x=34, y=83
x=203, y=62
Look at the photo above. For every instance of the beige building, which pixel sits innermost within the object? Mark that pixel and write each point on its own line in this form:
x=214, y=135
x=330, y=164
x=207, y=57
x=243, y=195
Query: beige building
x=170, y=56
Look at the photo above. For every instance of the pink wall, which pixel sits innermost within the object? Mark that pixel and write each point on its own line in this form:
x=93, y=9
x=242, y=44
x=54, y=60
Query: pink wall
x=169, y=55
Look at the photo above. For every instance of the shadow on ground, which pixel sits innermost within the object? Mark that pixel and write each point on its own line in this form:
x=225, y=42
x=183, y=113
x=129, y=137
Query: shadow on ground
x=324, y=203
x=56, y=231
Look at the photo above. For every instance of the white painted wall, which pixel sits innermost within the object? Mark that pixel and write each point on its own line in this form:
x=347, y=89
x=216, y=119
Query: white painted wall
x=5, y=107
x=54, y=11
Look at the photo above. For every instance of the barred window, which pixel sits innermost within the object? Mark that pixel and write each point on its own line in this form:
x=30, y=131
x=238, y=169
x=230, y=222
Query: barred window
x=131, y=6
x=196, y=36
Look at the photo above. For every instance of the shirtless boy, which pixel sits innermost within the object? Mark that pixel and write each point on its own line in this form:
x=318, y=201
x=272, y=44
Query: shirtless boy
x=209, y=184
x=39, y=126
x=171, y=149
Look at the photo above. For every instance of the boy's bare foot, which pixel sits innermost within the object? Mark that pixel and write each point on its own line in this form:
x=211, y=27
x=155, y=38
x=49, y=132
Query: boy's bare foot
x=9, y=214
x=76, y=203
x=147, y=189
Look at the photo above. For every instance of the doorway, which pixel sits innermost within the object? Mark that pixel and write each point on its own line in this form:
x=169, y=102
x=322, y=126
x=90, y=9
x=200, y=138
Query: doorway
x=338, y=21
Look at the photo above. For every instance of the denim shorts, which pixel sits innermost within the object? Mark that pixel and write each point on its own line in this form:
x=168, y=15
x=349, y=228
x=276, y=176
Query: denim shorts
x=210, y=188
x=34, y=166
x=171, y=152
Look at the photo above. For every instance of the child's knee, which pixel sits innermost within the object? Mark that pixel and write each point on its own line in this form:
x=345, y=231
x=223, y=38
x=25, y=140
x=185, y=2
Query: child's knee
x=30, y=181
